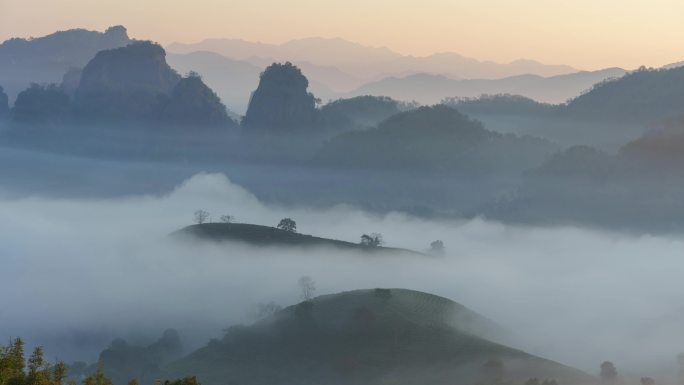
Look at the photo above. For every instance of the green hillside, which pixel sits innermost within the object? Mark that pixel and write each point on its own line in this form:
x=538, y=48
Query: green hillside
x=381, y=336
x=271, y=236
x=642, y=96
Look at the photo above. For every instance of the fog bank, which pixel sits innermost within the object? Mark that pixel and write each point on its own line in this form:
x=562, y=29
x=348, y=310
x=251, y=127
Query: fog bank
x=78, y=272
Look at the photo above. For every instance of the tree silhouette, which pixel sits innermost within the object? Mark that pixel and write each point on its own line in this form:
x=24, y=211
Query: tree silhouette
x=201, y=217
x=40, y=103
x=437, y=247
x=372, y=240
x=287, y=224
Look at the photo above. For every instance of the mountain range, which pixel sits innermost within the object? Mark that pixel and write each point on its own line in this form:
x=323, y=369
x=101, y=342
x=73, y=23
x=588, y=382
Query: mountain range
x=235, y=79
x=366, y=62
x=336, y=68
x=431, y=89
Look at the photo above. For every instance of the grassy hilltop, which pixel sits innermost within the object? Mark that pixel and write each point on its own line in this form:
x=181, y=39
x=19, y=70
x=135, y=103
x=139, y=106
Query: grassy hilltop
x=270, y=236
x=381, y=336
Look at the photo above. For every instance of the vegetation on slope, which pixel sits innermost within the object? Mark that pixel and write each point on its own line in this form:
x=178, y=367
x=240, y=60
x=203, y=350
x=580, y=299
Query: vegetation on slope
x=367, y=337
x=642, y=96
x=435, y=139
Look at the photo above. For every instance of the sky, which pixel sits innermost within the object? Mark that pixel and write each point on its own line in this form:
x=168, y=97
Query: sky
x=587, y=34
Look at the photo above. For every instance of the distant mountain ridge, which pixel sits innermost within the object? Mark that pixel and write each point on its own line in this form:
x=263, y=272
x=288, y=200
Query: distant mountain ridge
x=366, y=62
x=335, y=67
x=431, y=89
x=235, y=79
x=46, y=59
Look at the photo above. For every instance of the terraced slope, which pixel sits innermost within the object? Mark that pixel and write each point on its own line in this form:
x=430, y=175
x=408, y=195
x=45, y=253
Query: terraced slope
x=381, y=336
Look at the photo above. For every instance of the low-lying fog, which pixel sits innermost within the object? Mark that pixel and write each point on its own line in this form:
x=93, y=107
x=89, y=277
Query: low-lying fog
x=77, y=273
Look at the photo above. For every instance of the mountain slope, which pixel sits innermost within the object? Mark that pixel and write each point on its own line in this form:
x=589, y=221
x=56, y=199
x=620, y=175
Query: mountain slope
x=642, y=96
x=379, y=336
x=434, y=140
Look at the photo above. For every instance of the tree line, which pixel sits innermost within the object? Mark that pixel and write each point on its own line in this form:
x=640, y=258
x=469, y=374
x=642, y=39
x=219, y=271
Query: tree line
x=15, y=369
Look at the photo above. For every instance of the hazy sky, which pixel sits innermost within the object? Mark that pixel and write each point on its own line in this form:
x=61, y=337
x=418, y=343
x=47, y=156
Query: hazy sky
x=584, y=33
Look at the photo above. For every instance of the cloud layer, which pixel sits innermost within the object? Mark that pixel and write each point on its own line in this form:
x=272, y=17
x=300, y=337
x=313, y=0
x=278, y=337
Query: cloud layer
x=76, y=273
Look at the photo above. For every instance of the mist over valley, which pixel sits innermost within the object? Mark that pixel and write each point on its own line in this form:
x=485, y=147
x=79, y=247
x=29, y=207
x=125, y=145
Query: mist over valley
x=322, y=211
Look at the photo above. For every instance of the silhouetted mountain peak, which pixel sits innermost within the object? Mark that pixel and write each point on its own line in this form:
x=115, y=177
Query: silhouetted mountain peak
x=126, y=82
x=281, y=102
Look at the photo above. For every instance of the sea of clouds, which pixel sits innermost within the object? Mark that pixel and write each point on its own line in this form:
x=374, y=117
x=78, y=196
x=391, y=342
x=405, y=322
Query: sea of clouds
x=76, y=273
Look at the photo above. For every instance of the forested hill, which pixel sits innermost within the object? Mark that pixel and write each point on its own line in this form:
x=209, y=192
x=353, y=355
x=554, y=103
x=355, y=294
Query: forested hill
x=380, y=336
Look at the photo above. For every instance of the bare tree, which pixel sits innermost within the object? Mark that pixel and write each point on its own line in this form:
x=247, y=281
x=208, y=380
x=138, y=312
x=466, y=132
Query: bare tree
x=373, y=240
x=308, y=287
x=227, y=218
x=287, y=224
x=201, y=216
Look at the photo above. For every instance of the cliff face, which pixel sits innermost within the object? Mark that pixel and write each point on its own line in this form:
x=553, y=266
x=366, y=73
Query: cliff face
x=131, y=82
x=281, y=102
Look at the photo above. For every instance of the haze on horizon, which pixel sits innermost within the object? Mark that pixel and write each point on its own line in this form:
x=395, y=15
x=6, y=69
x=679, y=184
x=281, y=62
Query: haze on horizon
x=582, y=33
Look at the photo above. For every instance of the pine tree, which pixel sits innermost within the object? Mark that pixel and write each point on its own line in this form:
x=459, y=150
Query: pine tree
x=12, y=364
x=17, y=356
x=36, y=361
x=38, y=370
x=59, y=373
